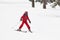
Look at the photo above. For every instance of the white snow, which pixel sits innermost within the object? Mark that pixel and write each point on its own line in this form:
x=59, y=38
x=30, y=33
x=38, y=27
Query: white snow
x=45, y=23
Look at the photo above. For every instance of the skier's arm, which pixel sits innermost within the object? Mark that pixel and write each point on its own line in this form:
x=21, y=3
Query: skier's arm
x=28, y=19
x=21, y=18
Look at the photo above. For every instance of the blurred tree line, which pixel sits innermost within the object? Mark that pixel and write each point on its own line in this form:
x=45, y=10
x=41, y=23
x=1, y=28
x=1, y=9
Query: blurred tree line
x=55, y=2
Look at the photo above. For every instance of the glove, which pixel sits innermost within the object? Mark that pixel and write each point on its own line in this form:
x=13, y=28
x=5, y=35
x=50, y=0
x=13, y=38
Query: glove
x=29, y=21
x=20, y=19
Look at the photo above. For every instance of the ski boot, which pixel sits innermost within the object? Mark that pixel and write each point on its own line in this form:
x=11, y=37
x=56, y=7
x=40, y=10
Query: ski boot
x=30, y=31
x=18, y=29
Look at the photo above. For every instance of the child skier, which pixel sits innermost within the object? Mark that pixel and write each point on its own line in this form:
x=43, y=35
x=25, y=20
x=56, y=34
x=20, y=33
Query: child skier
x=24, y=19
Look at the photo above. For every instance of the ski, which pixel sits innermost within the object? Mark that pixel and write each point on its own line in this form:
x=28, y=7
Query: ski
x=21, y=31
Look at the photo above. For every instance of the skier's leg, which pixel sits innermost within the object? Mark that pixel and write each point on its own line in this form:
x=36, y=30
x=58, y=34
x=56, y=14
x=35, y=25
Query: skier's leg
x=21, y=25
x=27, y=26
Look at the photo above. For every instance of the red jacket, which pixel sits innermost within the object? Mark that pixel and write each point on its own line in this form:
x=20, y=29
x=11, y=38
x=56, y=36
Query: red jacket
x=25, y=18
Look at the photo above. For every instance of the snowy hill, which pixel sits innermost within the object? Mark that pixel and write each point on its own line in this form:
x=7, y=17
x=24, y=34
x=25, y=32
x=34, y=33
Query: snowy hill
x=45, y=22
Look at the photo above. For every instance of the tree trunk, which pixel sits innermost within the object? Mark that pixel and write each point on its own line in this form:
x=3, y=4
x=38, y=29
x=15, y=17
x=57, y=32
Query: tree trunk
x=33, y=4
x=44, y=4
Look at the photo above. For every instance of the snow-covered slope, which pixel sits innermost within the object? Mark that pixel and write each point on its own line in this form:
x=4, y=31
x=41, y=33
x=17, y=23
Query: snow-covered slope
x=45, y=22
